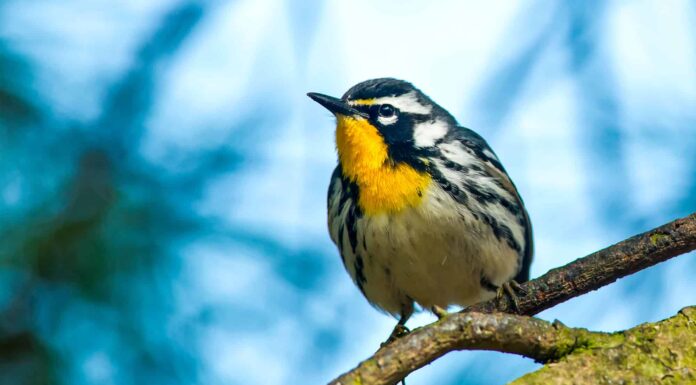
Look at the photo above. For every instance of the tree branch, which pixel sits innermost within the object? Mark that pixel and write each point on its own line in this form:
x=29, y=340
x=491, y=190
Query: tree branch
x=653, y=353
x=601, y=267
x=502, y=332
x=472, y=330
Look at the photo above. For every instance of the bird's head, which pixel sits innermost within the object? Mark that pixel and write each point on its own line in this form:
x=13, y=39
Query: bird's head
x=385, y=130
x=385, y=121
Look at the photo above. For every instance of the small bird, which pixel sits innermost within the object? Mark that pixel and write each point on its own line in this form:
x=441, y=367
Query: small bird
x=420, y=208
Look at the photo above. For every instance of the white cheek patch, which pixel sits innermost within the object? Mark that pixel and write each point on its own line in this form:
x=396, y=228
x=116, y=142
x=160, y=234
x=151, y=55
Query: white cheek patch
x=427, y=133
x=406, y=103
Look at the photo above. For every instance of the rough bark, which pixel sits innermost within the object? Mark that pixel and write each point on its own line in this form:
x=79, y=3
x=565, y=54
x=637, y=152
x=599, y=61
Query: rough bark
x=472, y=329
x=501, y=332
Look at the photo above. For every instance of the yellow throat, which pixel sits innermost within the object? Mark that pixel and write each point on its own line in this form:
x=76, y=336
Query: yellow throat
x=384, y=187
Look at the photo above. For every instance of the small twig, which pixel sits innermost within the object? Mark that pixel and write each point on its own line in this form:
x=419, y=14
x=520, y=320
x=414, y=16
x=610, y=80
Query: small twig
x=394, y=361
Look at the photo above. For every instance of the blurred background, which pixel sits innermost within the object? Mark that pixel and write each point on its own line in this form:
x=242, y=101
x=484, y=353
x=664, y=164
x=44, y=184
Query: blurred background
x=163, y=175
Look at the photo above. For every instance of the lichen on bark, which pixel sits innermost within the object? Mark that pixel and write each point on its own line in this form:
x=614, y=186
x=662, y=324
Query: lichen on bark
x=662, y=352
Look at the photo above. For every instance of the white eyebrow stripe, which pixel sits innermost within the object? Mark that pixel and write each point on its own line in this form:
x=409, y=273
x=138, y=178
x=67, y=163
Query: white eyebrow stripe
x=406, y=103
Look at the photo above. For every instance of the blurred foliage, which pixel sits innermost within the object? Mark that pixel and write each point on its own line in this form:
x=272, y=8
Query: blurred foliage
x=90, y=244
x=89, y=257
x=17, y=106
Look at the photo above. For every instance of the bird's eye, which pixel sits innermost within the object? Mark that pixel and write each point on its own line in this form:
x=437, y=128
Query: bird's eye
x=386, y=111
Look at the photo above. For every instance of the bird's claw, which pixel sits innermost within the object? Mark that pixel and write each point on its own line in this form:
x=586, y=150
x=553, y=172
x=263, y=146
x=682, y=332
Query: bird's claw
x=511, y=288
x=398, y=332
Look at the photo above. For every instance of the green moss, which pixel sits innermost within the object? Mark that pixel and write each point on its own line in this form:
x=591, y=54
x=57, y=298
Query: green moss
x=689, y=313
x=657, y=237
x=576, y=341
x=653, y=353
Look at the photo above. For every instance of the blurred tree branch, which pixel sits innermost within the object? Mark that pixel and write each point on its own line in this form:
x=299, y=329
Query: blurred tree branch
x=476, y=329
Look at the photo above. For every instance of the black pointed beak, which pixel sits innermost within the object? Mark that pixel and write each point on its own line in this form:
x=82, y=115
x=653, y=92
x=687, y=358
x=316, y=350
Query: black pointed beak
x=335, y=105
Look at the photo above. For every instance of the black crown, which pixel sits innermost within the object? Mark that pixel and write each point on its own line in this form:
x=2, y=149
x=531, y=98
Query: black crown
x=377, y=88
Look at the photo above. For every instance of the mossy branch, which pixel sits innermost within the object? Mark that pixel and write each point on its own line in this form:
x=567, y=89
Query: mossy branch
x=654, y=353
x=508, y=333
x=537, y=339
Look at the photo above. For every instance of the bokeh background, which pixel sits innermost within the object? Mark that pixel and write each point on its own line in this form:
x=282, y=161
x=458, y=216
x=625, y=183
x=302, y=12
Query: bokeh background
x=163, y=175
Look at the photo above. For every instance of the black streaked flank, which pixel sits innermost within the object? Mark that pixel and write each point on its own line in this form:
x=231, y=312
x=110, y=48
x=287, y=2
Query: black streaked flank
x=350, y=191
x=341, y=228
x=454, y=191
x=501, y=231
x=475, y=142
x=452, y=165
x=478, y=145
x=332, y=187
x=483, y=195
x=352, y=228
x=350, y=194
x=360, y=279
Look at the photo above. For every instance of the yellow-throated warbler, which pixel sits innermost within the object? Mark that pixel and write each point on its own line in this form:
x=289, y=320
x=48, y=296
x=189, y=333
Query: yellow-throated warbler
x=420, y=208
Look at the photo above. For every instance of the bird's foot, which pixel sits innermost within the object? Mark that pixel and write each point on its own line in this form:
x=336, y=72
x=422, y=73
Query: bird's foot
x=398, y=332
x=511, y=289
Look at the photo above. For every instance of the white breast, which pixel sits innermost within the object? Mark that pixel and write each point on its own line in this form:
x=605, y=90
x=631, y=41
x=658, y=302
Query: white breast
x=434, y=254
